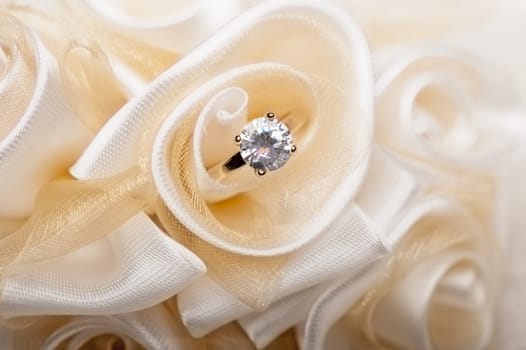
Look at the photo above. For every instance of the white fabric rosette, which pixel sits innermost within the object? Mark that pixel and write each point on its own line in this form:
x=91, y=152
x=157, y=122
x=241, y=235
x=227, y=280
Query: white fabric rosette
x=263, y=239
x=39, y=133
x=141, y=40
x=451, y=118
x=158, y=327
x=175, y=26
x=135, y=267
x=317, y=232
x=152, y=328
x=385, y=179
x=450, y=109
x=445, y=268
x=43, y=133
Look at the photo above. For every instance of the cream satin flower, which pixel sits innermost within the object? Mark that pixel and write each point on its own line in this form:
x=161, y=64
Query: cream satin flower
x=439, y=291
x=152, y=328
x=54, y=103
x=262, y=239
x=158, y=327
x=385, y=179
x=143, y=40
x=391, y=231
x=176, y=26
x=40, y=135
x=449, y=109
x=452, y=119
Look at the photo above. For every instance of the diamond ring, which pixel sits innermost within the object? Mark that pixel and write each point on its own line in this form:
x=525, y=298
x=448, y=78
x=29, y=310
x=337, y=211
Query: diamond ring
x=265, y=144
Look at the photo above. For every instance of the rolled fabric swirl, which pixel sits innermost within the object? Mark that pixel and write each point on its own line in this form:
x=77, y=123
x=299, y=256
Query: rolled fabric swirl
x=208, y=87
x=40, y=134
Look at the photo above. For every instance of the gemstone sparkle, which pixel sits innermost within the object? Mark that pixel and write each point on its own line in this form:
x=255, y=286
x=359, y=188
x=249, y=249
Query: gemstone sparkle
x=266, y=144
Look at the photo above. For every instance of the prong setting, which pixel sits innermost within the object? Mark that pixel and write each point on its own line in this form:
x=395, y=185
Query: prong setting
x=293, y=149
x=265, y=144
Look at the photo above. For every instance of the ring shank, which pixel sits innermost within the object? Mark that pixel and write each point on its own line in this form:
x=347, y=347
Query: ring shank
x=235, y=162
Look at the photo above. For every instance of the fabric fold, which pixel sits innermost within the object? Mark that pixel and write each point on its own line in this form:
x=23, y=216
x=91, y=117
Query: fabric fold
x=432, y=278
x=315, y=93
x=263, y=327
x=448, y=108
x=153, y=328
x=135, y=267
x=44, y=135
x=205, y=306
x=381, y=231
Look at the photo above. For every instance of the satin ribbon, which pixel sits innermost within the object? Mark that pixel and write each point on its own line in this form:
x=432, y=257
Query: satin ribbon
x=135, y=267
x=179, y=96
x=43, y=138
x=448, y=108
x=422, y=126
x=158, y=327
x=153, y=328
x=454, y=271
x=141, y=44
x=429, y=286
x=89, y=84
x=89, y=210
x=31, y=79
x=205, y=306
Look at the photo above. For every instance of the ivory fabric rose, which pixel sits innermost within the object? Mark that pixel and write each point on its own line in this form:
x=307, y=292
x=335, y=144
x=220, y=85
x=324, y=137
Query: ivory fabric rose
x=222, y=111
x=142, y=42
x=380, y=227
x=443, y=267
x=286, y=225
x=158, y=327
x=118, y=167
x=53, y=109
x=451, y=118
x=42, y=134
x=151, y=328
x=30, y=77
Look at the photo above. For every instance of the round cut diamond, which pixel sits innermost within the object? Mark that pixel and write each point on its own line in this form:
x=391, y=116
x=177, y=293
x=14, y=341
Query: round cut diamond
x=266, y=144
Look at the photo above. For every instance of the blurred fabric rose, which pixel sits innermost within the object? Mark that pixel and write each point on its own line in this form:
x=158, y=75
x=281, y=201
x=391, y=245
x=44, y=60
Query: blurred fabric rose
x=389, y=227
x=260, y=244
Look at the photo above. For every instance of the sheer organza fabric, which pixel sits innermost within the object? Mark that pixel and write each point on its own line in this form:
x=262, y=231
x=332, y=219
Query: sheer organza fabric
x=360, y=226
x=120, y=183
